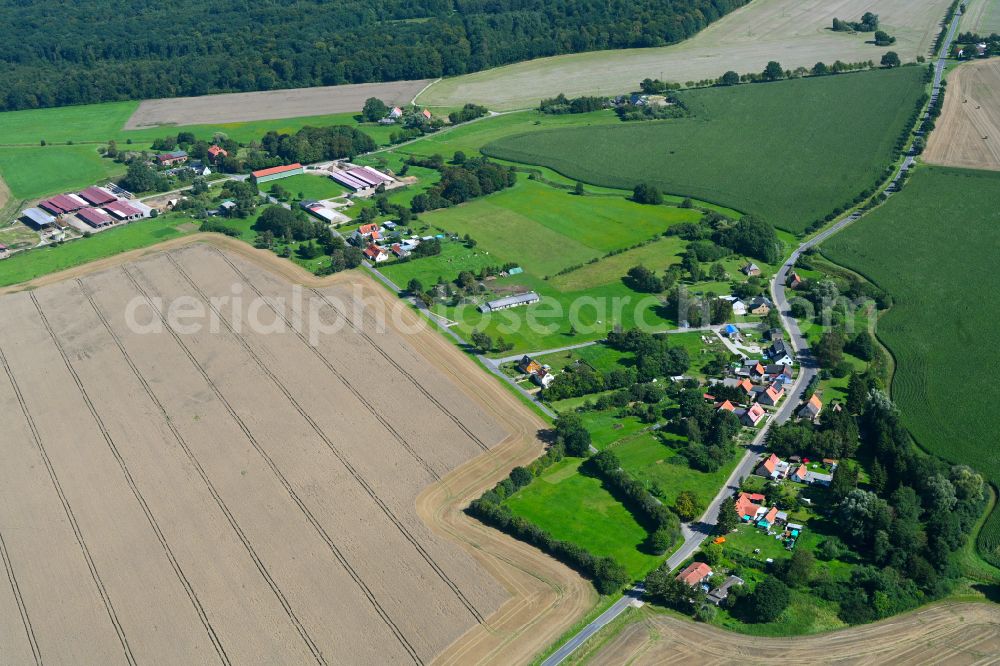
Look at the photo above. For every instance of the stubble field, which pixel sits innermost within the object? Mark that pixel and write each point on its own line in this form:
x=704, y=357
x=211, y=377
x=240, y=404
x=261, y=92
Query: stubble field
x=982, y=17
x=793, y=32
x=968, y=132
x=241, y=496
x=942, y=634
x=244, y=107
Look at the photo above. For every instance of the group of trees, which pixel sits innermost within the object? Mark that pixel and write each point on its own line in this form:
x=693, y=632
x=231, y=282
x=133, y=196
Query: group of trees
x=472, y=178
x=654, y=357
x=868, y=23
x=663, y=524
x=835, y=437
x=750, y=235
x=290, y=225
x=673, y=108
x=198, y=49
x=710, y=432
x=560, y=104
x=312, y=144
x=467, y=113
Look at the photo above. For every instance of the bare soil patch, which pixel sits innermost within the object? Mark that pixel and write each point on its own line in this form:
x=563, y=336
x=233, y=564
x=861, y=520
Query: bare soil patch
x=265, y=105
x=793, y=32
x=240, y=495
x=966, y=633
x=968, y=132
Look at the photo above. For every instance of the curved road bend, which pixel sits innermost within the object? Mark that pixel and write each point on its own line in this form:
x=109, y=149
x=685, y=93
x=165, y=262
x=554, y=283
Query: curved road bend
x=695, y=533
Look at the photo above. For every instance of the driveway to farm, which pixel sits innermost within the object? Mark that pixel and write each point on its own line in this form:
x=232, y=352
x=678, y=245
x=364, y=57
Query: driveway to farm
x=694, y=533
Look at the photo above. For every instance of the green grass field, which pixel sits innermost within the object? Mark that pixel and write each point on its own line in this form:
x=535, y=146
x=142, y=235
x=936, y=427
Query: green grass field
x=35, y=263
x=577, y=508
x=933, y=247
x=309, y=186
x=36, y=172
x=790, y=151
x=545, y=229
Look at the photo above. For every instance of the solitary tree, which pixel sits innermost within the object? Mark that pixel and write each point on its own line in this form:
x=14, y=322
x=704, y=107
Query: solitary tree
x=890, y=59
x=728, y=518
x=578, y=190
x=773, y=71
x=374, y=109
x=730, y=78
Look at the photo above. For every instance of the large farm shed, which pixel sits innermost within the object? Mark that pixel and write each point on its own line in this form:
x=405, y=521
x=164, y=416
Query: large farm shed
x=509, y=302
x=277, y=173
x=360, y=179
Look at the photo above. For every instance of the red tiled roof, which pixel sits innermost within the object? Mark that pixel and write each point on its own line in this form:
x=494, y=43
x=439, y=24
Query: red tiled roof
x=694, y=573
x=215, y=151
x=816, y=402
x=745, y=506
x=366, y=229
x=728, y=406
x=373, y=251
x=771, y=463
x=771, y=515
x=274, y=170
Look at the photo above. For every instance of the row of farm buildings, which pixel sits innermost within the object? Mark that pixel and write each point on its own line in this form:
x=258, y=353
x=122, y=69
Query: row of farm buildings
x=92, y=209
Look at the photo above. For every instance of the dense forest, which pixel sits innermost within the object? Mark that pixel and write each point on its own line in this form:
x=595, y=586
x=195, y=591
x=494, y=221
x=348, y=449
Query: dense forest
x=59, y=53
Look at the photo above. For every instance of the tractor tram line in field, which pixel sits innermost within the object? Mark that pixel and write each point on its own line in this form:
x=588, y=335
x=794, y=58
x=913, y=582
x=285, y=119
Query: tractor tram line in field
x=317, y=653
x=189, y=453
x=407, y=534
x=130, y=480
x=70, y=515
x=21, y=607
x=329, y=366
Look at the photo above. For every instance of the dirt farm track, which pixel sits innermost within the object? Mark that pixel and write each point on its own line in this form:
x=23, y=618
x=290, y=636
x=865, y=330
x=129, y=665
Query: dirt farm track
x=953, y=634
x=240, y=496
x=967, y=133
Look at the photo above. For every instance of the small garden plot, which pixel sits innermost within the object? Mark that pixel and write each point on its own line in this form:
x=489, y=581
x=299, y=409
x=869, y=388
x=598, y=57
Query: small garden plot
x=574, y=507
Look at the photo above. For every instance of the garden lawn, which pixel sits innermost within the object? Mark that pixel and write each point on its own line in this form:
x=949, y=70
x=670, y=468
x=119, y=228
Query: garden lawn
x=577, y=508
x=651, y=461
x=455, y=257
x=28, y=265
x=789, y=151
x=933, y=247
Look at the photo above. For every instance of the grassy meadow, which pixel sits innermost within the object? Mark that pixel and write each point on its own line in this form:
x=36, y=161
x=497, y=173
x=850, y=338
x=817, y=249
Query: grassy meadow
x=575, y=507
x=933, y=247
x=308, y=186
x=547, y=230
x=36, y=263
x=790, y=151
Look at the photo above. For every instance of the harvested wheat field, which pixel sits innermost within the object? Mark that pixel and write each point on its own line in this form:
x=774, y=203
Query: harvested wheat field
x=292, y=103
x=968, y=132
x=216, y=488
x=954, y=634
x=796, y=33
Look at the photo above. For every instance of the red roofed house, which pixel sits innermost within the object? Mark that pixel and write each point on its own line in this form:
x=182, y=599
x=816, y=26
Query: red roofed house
x=173, y=157
x=695, y=574
x=215, y=153
x=376, y=254
x=772, y=394
x=728, y=406
x=801, y=474
x=794, y=281
x=426, y=114
x=367, y=230
x=773, y=468
x=746, y=506
x=745, y=384
x=753, y=416
x=811, y=409
x=398, y=250
x=769, y=517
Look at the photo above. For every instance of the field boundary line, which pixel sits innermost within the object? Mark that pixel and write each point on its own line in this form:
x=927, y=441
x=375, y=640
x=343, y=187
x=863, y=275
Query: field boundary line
x=16, y=589
x=317, y=653
x=341, y=559
x=133, y=486
x=70, y=515
x=333, y=448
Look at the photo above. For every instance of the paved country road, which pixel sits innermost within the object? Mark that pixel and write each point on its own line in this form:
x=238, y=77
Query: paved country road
x=695, y=533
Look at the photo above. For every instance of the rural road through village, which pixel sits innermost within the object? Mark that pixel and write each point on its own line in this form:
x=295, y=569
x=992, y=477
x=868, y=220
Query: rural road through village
x=695, y=533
